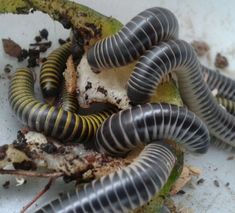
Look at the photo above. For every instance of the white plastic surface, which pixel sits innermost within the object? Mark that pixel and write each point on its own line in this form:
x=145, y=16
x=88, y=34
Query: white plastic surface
x=210, y=21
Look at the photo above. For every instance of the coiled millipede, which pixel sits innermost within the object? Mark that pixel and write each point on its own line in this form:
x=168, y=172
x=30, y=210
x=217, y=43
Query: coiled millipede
x=162, y=59
x=136, y=184
x=147, y=124
x=52, y=69
x=48, y=119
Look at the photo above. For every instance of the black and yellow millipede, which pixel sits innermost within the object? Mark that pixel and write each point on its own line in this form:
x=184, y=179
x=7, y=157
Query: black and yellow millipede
x=69, y=101
x=51, y=74
x=50, y=120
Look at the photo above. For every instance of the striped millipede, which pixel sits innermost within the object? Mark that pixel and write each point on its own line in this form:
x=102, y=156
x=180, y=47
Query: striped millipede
x=224, y=85
x=141, y=33
x=51, y=74
x=131, y=187
x=149, y=122
x=69, y=101
x=161, y=60
x=50, y=120
x=179, y=55
x=136, y=184
x=229, y=105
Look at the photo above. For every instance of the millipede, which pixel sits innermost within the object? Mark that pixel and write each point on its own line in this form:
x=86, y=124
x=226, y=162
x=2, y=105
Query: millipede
x=150, y=39
x=160, y=60
x=229, y=105
x=141, y=33
x=131, y=187
x=69, y=101
x=50, y=120
x=51, y=74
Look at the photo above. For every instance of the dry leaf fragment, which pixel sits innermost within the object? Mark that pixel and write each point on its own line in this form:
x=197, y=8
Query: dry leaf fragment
x=70, y=75
x=11, y=48
x=185, y=177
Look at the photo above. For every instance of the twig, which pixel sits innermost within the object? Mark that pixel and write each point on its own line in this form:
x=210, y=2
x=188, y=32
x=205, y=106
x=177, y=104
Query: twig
x=40, y=44
x=40, y=194
x=31, y=173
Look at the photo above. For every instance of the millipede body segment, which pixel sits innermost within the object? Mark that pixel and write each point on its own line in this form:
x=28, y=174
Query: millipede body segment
x=143, y=124
x=152, y=38
x=51, y=74
x=69, y=101
x=179, y=55
x=141, y=33
x=224, y=85
x=131, y=187
x=123, y=190
x=50, y=120
x=229, y=105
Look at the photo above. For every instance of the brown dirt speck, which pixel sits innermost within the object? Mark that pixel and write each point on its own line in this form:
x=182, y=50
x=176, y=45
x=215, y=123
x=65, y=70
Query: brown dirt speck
x=230, y=158
x=200, y=47
x=221, y=61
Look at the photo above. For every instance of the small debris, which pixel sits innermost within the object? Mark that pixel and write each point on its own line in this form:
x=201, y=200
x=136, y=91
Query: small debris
x=33, y=59
x=43, y=48
x=102, y=90
x=221, y=61
x=49, y=148
x=185, y=177
x=216, y=183
x=200, y=181
x=25, y=165
x=88, y=85
x=181, y=192
x=61, y=41
x=7, y=68
x=11, y=48
x=227, y=184
x=24, y=54
x=65, y=22
x=3, y=151
x=6, y=185
x=214, y=92
x=195, y=171
x=44, y=33
x=20, y=181
x=38, y=39
x=200, y=47
x=230, y=158
x=42, y=60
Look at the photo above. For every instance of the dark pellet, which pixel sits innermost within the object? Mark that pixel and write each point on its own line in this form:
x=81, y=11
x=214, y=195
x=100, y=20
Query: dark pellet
x=44, y=33
x=200, y=181
x=216, y=183
x=61, y=41
x=38, y=39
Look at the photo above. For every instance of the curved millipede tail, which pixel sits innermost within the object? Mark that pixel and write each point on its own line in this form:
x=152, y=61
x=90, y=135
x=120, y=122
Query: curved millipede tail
x=143, y=31
x=179, y=56
x=123, y=190
x=48, y=119
x=51, y=74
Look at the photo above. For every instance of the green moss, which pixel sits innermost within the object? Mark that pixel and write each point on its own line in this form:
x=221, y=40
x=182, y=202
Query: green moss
x=14, y=6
